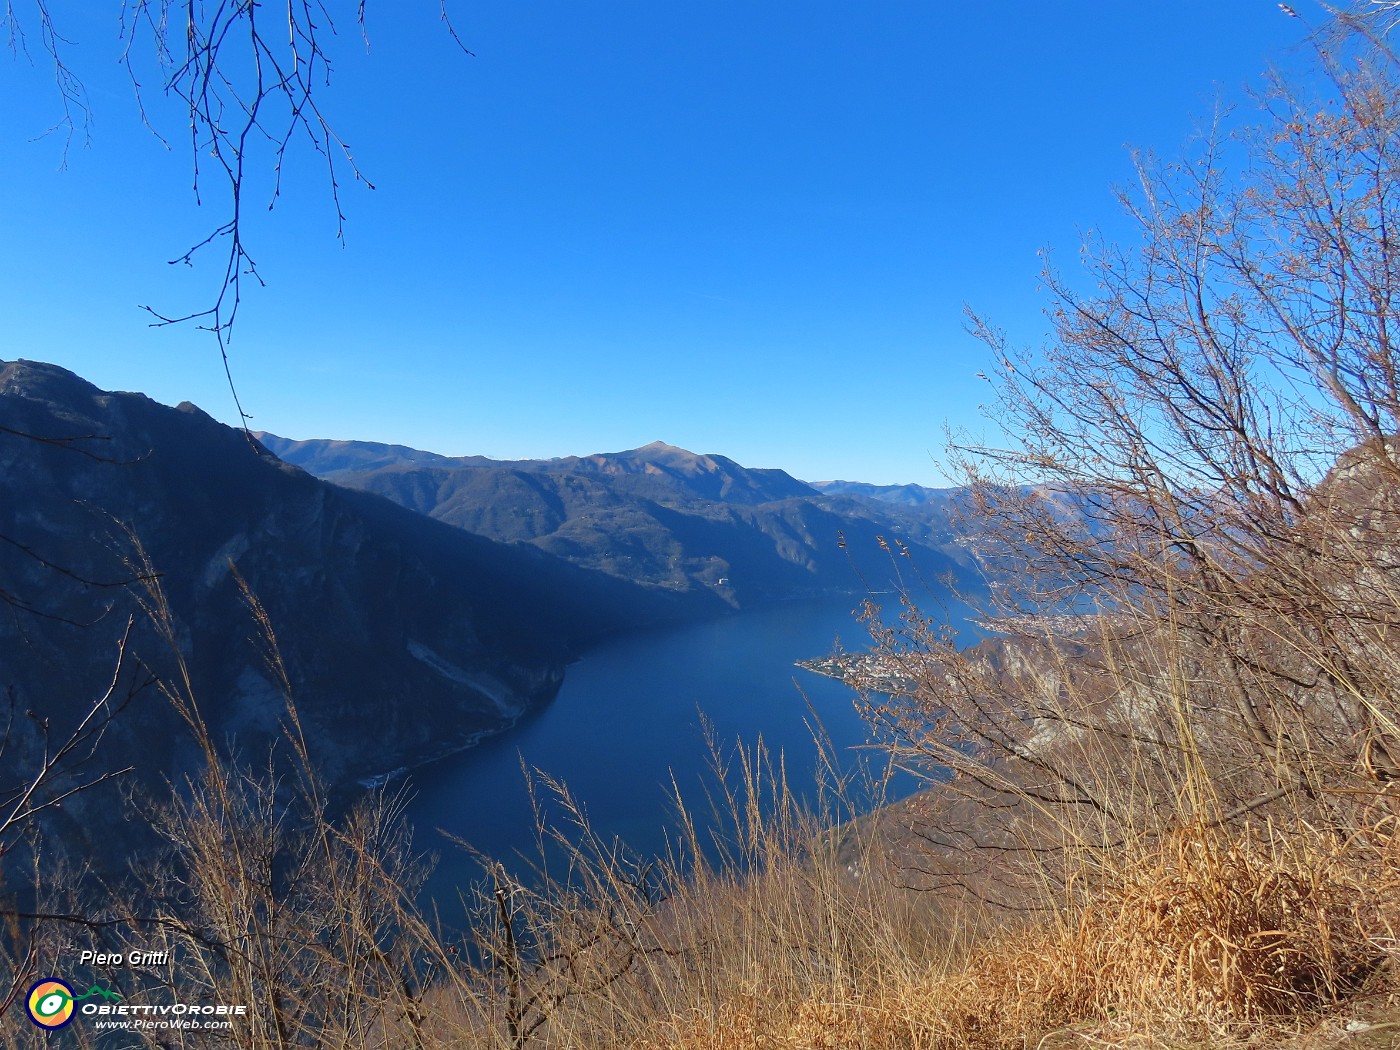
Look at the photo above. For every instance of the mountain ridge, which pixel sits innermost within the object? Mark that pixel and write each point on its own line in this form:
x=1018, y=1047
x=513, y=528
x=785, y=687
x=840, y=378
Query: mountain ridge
x=664, y=517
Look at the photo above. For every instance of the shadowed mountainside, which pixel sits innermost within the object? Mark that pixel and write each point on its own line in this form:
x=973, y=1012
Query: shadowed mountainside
x=401, y=636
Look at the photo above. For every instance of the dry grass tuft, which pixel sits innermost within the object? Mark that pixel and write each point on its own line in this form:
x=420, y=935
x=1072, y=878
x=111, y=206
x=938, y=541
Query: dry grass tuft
x=1196, y=937
x=1232, y=928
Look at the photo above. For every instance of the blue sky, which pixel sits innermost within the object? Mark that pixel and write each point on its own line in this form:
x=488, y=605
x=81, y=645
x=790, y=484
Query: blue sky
x=744, y=228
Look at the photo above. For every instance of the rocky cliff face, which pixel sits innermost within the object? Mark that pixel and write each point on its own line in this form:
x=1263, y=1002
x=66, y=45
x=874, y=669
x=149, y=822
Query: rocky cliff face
x=402, y=637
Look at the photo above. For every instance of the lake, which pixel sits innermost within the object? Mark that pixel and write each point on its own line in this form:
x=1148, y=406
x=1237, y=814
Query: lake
x=629, y=716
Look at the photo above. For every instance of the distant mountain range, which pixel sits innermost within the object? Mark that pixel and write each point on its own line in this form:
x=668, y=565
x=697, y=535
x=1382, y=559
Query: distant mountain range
x=902, y=495
x=664, y=517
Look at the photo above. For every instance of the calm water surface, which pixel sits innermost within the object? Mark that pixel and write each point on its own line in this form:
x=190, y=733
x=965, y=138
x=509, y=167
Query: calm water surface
x=629, y=717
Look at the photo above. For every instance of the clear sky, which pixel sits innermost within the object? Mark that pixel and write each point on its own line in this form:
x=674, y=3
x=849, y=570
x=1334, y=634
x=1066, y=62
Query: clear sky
x=747, y=228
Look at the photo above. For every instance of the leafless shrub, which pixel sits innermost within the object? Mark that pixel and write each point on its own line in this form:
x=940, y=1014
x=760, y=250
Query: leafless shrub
x=1200, y=606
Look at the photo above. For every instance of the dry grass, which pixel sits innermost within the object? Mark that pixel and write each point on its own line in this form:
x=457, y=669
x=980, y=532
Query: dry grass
x=1205, y=934
x=1207, y=938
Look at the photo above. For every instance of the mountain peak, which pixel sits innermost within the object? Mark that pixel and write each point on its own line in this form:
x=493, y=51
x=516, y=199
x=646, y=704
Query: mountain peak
x=38, y=379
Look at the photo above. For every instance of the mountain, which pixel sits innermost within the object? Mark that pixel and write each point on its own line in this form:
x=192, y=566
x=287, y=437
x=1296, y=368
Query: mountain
x=663, y=517
x=901, y=495
x=326, y=459
x=402, y=637
x=657, y=470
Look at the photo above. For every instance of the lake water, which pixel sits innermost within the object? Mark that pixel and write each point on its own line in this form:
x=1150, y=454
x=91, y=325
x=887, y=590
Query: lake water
x=629, y=716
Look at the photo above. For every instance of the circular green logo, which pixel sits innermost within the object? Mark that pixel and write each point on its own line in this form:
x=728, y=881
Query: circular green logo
x=50, y=1003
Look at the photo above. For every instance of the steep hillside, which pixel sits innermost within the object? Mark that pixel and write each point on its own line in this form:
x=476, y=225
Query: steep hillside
x=402, y=637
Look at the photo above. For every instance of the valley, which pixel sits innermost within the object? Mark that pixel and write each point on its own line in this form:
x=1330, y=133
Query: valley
x=409, y=605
